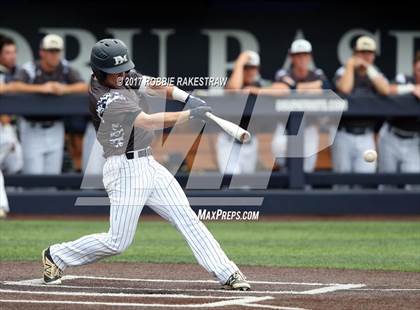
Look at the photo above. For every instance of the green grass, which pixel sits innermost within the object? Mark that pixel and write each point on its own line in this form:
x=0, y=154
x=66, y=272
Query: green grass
x=373, y=245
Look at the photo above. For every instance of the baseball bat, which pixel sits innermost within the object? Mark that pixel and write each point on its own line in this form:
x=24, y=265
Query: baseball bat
x=230, y=128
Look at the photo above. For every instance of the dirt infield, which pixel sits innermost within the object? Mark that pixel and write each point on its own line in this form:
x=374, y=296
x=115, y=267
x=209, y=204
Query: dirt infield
x=163, y=286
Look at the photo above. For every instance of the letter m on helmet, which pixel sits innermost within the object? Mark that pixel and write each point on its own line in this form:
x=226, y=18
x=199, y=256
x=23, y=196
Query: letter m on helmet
x=118, y=60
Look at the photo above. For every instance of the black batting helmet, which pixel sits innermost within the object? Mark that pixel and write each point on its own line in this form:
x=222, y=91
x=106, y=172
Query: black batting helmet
x=109, y=56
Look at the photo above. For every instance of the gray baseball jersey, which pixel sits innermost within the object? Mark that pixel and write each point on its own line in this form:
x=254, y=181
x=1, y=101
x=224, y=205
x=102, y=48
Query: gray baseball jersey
x=113, y=112
x=362, y=86
x=6, y=75
x=288, y=77
x=405, y=123
x=32, y=73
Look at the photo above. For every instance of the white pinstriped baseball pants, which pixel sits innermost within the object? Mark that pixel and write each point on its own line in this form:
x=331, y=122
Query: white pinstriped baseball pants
x=130, y=185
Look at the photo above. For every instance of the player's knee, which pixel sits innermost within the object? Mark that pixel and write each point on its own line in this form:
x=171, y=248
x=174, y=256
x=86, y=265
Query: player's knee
x=118, y=245
x=117, y=249
x=189, y=218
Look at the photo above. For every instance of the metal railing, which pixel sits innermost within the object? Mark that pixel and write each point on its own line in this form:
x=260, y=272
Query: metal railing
x=294, y=178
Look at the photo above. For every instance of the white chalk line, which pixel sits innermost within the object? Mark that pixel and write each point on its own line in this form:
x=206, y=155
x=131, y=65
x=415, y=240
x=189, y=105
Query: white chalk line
x=273, y=307
x=73, y=277
x=38, y=283
x=192, y=281
x=333, y=288
x=239, y=302
x=95, y=294
x=387, y=289
x=247, y=302
x=321, y=290
x=242, y=300
x=183, y=290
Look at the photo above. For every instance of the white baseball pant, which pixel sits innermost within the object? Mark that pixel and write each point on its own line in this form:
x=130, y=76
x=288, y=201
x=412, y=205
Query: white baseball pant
x=43, y=148
x=396, y=153
x=130, y=185
x=235, y=158
x=310, y=146
x=11, y=158
x=347, y=152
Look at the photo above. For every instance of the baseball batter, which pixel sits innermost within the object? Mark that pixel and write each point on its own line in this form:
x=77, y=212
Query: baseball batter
x=131, y=176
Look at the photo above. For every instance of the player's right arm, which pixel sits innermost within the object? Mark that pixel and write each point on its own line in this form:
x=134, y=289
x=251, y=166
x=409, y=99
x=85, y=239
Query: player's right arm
x=162, y=120
x=150, y=87
x=345, y=83
x=402, y=86
x=21, y=84
x=21, y=87
x=236, y=79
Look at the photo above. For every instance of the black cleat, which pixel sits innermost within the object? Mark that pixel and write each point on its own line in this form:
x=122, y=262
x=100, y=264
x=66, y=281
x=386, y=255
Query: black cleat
x=237, y=281
x=52, y=274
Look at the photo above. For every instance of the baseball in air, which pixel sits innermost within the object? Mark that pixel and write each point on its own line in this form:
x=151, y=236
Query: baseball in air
x=370, y=156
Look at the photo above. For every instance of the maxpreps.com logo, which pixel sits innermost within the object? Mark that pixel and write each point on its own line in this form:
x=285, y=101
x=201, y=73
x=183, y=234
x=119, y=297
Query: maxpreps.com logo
x=118, y=60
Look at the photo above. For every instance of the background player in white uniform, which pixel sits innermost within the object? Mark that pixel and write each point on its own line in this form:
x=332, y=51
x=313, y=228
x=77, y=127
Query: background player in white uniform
x=131, y=176
x=399, y=140
x=303, y=79
x=234, y=157
x=356, y=135
x=11, y=160
x=4, y=203
x=43, y=136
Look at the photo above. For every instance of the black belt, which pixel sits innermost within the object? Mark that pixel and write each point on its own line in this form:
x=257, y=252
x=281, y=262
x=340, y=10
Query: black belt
x=357, y=130
x=42, y=124
x=403, y=134
x=139, y=153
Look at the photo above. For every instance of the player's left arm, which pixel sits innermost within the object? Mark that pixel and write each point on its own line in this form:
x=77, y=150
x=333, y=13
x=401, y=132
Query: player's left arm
x=309, y=85
x=74, y=84
x=381, y=85
x=68, y=89
x=378, y=80
x=161, y=120
x=321, y=82
x=170, y=92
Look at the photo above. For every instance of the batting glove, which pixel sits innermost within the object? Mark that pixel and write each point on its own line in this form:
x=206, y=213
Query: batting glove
x=194, y=102
x=200, y=112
